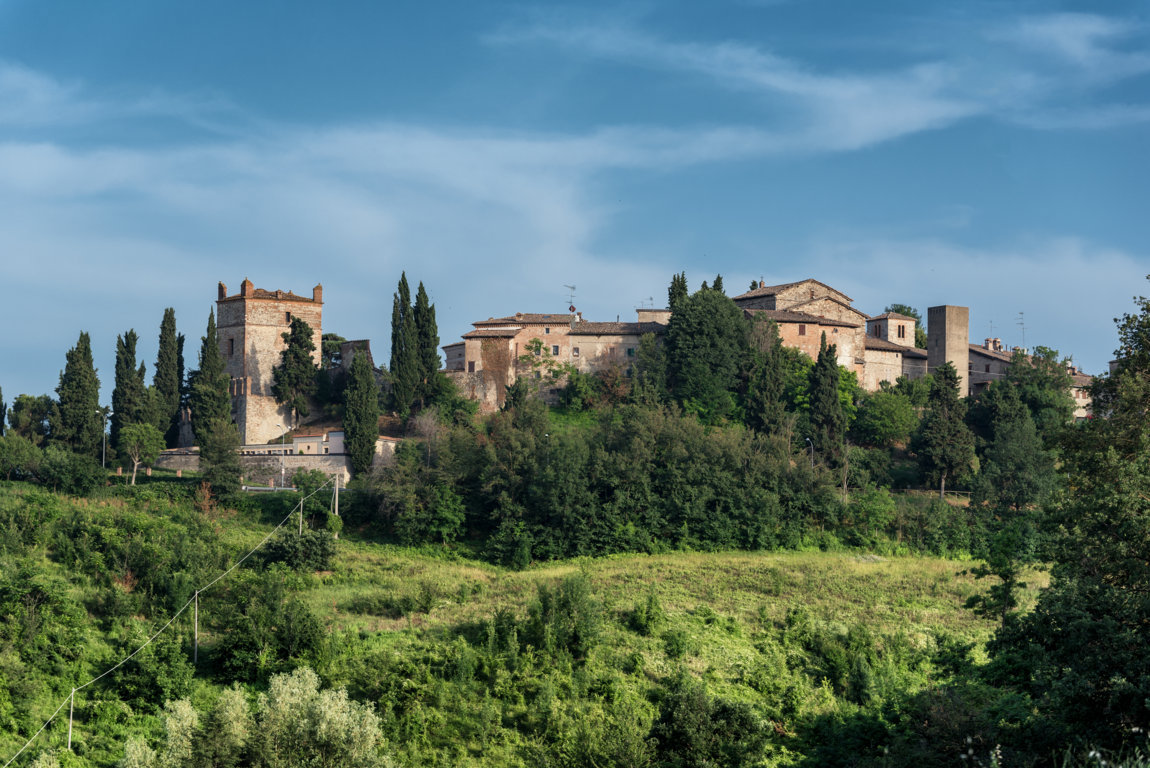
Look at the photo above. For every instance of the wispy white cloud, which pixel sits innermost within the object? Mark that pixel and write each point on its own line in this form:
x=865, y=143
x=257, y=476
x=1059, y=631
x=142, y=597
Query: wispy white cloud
x=848, y=109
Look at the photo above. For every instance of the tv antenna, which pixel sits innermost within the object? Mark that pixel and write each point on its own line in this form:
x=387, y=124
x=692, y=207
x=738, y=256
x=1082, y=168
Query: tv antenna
x=1022, y=324
x=570, y=296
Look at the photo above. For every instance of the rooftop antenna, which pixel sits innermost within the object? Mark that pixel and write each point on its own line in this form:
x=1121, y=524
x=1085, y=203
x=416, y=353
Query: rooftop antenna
x=1022, y=324
x=570, y=296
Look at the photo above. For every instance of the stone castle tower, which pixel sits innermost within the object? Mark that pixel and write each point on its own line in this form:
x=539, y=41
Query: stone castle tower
x=948, y=341
x=250, y=327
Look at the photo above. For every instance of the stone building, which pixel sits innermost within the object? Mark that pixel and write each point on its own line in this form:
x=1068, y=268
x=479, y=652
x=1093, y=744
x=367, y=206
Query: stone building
x=250, y=327
x=490, y=357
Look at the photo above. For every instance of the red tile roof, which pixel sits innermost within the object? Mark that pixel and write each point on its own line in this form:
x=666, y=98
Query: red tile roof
x=890, y=346
x=787, y=316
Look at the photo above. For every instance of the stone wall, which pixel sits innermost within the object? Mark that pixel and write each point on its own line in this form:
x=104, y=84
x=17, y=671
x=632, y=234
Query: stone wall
x=881, y=365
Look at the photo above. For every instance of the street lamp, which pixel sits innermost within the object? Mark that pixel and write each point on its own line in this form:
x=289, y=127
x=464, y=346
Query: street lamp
x=812, y=447
x=283, y=450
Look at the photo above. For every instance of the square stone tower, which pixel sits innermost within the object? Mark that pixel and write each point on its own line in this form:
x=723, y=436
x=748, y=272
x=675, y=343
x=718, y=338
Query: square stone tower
x=250, y=327
x=948, y=341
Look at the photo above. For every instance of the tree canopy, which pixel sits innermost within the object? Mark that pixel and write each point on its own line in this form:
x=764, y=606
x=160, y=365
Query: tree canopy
x=944, y=443
x=294, y=379
x=208, y=395
x=77, y=421
x=130, y=403
x=361, y=414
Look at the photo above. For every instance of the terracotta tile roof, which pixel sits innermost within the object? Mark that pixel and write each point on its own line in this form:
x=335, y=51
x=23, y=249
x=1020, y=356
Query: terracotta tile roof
x=492, y=333
x=892, y=316
x=771, y=290
x=889, y=346
x=525, y=318
x=840, y=302
x=787, y=316
x=260, y=293
x=587, y=328
x=1005, y=357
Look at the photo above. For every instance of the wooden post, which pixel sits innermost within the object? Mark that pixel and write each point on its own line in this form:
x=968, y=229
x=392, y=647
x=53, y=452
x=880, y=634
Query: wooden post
x=196, y=630
x=301, y=517
x=336, y=500
x=71, y=708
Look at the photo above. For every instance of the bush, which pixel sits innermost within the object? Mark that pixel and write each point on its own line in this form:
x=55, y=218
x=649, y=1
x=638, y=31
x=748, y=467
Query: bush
x=309, y=551
x=70, y=473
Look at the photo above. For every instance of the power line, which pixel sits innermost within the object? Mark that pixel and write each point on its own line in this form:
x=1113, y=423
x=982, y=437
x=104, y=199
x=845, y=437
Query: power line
x=72, y=696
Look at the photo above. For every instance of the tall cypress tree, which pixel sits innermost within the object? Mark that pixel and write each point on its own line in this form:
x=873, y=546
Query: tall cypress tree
x=3, y=412
x=208, y=395
x=295, y=376
x=76, y=422
x=828, y=422
x=427, y=335
x=130, y=397
x=361, y=414
x=677, y=292
x=405, y=366
x=718, y=284
x=166, y=381
x=764, y=404
x=944, y=443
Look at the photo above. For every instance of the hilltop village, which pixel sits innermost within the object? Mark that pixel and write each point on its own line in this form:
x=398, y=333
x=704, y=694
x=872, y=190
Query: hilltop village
x=488, y=359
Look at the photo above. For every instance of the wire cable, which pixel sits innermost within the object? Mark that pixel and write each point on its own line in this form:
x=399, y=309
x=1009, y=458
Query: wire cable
x=176, y=615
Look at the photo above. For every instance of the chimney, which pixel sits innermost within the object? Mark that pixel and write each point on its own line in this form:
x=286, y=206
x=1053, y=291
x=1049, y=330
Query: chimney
x=223, y=291
x=247, y=288
x=762, y=284
x=317, y=293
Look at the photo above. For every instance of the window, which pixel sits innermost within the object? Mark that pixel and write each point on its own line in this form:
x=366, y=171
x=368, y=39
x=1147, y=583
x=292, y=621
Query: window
x=802, y=330
x=988, y=367
x=539, y=351
x=231, y=347
x=630, y=351
x=539, y=374
x=554, y=350
x=574, y=351
x=902, y=331
x=547, y=330
x=471, y=366
x=969, y=367
x=287, y=317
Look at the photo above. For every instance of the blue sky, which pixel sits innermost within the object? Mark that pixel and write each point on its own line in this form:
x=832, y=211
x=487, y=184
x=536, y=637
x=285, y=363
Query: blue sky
x=994, y=155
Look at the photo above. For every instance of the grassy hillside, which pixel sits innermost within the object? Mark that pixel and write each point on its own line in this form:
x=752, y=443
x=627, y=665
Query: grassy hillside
x=567, y=663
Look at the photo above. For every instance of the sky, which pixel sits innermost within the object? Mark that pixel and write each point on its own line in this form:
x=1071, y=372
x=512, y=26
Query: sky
x=990, y=155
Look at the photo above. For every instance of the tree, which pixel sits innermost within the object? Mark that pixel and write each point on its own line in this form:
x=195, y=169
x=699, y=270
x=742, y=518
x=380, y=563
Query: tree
x=167, y=380
x=30, y=417
x=828, y=422
x=76, y=421
x=718, y=284
x=944, y=443
x=707, y=348
x=330, y=346
x=18, y=456
x=361, y=415
x=677, y=292
x=765, y=410
x=427, y=341
x=3, y=412
x=220, y=459
x=294, y=379
x=885, y=418
x=208, y=396
x=1081, y=653
x=405, y=364
x=1043, y=384
x=130, y=397
x=909, y=311
x=141, y=443
x=1016, y=472
x=650, y=387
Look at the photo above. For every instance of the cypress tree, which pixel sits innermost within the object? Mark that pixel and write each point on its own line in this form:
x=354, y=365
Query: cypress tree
x=427, y=335
x=130, y=403
x=76, y=421
x=764, y=405
x=361, y=414
x=208, y=395
x=219, y=457
x=295, y=376
x=828, y=422
x=405, y=365
x=166, y=381
x=706, y=350
x=677, y=292
x=944, y=443
x=3, y=412
x=718, y=284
